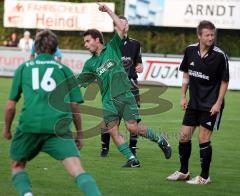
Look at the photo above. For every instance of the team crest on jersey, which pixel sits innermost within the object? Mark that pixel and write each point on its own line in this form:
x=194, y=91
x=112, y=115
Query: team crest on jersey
x=105, y=67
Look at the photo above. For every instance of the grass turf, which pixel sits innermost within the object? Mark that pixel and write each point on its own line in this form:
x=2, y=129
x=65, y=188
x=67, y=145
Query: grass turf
x=49, y=177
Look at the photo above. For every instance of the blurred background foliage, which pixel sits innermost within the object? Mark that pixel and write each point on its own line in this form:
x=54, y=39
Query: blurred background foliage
x=164, y=40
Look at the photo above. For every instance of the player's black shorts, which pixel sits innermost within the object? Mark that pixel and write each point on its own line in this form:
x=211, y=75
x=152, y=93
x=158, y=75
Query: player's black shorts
x=197, y=117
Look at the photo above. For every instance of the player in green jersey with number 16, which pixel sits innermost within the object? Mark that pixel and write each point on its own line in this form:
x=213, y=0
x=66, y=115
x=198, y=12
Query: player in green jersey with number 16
x=41, y=127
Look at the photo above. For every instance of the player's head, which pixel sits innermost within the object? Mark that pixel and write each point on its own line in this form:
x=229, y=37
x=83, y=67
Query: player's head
x=26, y=34
x=93, y=39
x=125, y=22
x=46, y=42
x=206, y=33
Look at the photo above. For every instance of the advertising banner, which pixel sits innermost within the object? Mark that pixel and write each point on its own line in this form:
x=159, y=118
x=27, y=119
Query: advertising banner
x=225, y=14
x=156, y=68
x=56, y=15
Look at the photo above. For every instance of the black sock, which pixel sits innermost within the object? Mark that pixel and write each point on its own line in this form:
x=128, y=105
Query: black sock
x=133, y=140
x=105, y=139
x=205, y=158
x=184, y=150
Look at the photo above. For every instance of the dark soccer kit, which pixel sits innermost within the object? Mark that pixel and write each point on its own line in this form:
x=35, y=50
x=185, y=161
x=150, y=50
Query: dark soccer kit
x=131, y=56
x=205, y=77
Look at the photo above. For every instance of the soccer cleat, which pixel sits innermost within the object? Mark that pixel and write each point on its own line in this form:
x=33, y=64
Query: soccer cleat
x=165, y=146
x=28, y=194
x=178, y=176
x=104, y=152
x=199, y=180
x=132, y=163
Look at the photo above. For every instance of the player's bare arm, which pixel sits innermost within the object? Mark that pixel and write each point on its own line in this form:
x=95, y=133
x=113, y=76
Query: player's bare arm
x=185, y=81
x=9, y=116
x=120, y=27
x=217, y=106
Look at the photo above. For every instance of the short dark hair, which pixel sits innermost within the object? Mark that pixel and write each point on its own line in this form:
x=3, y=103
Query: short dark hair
x=46, y=42
x=95, y=34
x=205, y=24
x=123, y=18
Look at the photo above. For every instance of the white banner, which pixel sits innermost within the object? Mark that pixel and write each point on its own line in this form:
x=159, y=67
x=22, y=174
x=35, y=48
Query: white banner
x=166, y=71
x=157, y=69
x=56, y=15
x=225, y=14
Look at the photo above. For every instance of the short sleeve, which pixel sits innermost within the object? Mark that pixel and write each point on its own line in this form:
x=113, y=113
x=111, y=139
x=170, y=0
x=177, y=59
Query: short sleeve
x=225, y=69
x=184, y=63
x=75, y=94
x=16, y=88
x=139, y=55
x=87, y=76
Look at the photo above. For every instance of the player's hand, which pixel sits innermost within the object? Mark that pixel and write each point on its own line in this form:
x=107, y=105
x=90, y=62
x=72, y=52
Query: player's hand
x=7, y=134
x=139, y=68
x=183, y=103
x=215, y=109
x=79, y=143
x=102, y=7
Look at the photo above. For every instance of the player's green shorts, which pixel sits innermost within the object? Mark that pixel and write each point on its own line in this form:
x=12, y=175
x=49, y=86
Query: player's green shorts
x=123, y=106
x=25, y=146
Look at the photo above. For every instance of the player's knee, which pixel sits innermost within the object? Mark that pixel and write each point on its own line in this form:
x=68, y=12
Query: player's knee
x=113, y=131
x=17, y=166
x=184, y=137
x=204, y=135
x=203, y=139
x=132, y=128
x=73, y=166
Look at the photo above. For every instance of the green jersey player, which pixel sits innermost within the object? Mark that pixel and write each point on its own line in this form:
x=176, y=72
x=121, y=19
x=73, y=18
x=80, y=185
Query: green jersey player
x=41, y=126
x=105, y=65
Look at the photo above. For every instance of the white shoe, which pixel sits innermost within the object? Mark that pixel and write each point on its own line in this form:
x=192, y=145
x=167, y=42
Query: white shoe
x=178, y=176
x=28, y=194
x=199, y=180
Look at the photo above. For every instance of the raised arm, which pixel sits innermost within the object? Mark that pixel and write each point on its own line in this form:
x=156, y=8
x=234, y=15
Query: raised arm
x=120, y=28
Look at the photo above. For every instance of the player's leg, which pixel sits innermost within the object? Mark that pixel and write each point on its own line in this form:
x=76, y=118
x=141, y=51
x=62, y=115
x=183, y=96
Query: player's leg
x=205, y=151
x=64, y=149
x=20, y=178
x=131, y=117
x=24, y=147
x=208, y=123
x=150, y=134
x=190, y=121
x=84, y=180
x=105, y=141
x=112, y=114
x=134, y=137
x=122, y=146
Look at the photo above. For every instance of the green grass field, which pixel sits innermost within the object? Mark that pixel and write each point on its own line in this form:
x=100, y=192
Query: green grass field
x=49, y=177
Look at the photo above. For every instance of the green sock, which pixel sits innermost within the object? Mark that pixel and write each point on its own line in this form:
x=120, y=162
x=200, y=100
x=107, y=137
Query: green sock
x=151, y=135
x=87, y=185
x=125, y=150
x=22, y=183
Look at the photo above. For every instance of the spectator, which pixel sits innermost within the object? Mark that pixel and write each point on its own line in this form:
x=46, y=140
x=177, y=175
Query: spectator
x=26, y=42
x=13, y=42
